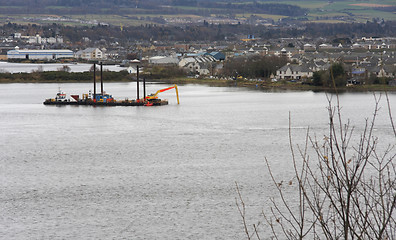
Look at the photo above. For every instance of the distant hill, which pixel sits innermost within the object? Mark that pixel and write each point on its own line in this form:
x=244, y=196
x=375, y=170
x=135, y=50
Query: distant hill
x=150, y=7
x=330, y=11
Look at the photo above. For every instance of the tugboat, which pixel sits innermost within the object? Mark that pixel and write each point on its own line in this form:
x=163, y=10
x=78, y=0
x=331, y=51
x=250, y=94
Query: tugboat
x=60, y=97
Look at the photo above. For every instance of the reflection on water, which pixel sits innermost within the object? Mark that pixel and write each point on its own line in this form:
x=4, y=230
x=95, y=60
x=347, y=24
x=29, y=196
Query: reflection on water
x=82, y=172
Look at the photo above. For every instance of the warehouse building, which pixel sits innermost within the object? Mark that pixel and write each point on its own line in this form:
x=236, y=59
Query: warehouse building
x=49, y=54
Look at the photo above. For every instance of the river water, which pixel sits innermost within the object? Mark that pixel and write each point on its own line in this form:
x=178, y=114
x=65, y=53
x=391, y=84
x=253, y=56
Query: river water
x=168, y=172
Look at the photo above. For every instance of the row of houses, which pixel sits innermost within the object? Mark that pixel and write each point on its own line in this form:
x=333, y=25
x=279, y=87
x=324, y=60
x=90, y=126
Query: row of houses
x=304, y=71
x=207, y=63
x=37, y=39
x=201, y=63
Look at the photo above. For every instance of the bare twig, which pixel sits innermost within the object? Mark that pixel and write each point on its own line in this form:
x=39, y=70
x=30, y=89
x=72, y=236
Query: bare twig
x=390, y=114
x=242, y=211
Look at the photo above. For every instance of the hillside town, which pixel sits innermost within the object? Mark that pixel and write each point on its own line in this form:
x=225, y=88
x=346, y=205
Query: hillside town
x=363, y=58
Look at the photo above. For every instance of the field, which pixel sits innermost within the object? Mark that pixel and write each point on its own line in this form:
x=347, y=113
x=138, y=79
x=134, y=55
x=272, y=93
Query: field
x=73, y=20
x=347, y=11
x=274, y=17
x=317, y=11
x=370, y=5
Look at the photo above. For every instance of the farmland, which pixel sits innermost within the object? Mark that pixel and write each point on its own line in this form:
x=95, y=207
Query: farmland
x=212, y=12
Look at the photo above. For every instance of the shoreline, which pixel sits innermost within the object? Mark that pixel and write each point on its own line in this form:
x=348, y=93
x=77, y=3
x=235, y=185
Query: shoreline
x=264, y=85
x=283, y=86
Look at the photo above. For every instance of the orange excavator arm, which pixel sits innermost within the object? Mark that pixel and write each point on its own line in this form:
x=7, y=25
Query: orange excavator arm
x=155, y=95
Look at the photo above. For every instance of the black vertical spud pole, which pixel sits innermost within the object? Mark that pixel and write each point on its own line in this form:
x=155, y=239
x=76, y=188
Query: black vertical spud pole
x=94, y=70
x=144, y=87
x=137, y=81
x=101, y=77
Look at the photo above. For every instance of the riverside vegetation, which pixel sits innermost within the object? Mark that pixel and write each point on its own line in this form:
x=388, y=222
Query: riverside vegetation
x=60, y=76
x=256, y=73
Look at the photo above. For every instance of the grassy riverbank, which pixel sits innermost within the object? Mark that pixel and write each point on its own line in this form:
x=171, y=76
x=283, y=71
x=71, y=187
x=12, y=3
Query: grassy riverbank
x=123, y=76
x=281, y=85
x=61, y=76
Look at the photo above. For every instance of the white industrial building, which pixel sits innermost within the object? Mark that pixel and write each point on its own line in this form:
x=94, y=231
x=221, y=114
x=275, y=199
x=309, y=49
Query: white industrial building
x=39, y=54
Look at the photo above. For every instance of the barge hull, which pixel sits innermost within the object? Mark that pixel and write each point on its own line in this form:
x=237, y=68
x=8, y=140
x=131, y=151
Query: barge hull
x=90, y=103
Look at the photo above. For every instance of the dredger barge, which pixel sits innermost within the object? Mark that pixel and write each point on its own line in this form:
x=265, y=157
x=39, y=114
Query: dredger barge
x=105, y=99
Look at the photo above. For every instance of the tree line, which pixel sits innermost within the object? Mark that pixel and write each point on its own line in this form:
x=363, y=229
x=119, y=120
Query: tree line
x=253, y=67
x=203, y=32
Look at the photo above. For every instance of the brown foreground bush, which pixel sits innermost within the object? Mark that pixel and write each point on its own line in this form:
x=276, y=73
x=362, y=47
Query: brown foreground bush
x=345, y=190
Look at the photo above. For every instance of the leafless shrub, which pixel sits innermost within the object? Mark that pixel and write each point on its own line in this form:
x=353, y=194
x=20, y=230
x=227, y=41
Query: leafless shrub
x=64, y=68
x=346, y=188
x=38, y=70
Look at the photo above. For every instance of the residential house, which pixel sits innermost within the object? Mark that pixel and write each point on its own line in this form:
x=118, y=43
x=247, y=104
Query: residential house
x=309, y=47
x=202, y=64
x=34, y=39
x=294, y=71
x=184, y=61
x=114, y=54
x=324, y=46
x=320, y=66
x=387, y=71
x=90, y=54
x=198, y=68
x=285, y=52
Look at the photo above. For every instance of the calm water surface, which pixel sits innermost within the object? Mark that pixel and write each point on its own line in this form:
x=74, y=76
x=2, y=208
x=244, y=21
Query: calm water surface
x=164, y=172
